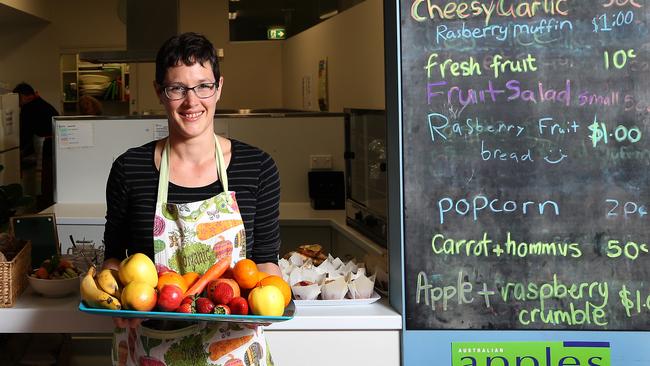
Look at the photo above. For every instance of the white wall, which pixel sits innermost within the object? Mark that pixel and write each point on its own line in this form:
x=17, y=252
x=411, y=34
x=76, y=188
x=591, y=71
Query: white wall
x=257, y=74
x=30, y=51
x=353, y=44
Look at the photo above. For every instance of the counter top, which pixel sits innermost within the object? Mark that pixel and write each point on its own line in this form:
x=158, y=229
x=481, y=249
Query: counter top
x=36, y=314
x=296, y=214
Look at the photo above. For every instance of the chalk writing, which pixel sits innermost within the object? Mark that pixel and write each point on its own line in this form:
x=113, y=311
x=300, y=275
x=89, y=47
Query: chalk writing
x=422, y=10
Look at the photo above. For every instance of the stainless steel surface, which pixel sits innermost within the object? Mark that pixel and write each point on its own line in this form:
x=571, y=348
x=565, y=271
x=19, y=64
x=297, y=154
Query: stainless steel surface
x=148, y=24
x=366, y=204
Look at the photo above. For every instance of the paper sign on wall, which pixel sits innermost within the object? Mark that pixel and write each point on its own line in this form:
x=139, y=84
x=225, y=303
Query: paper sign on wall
x=160, y=131
x=75, y=135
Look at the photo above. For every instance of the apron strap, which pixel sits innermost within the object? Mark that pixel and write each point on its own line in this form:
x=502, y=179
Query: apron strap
x=163, y=180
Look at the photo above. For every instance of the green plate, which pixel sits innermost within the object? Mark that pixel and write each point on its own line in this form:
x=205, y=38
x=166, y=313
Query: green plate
x=256, y=319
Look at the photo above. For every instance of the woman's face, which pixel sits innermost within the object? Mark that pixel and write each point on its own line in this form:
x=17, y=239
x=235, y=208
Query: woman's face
x=190, y=116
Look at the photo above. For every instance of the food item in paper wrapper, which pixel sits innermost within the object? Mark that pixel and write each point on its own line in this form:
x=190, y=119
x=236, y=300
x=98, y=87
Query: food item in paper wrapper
x=349, y=267
x=360, y=286
x=306, y=290
x=330, y=279
x=334, y=289
x=328, y=267
x=305, y=274
x=295, y=258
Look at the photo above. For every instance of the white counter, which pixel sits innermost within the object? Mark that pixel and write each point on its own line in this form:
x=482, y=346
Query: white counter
x=360, y=334
x=36, y=314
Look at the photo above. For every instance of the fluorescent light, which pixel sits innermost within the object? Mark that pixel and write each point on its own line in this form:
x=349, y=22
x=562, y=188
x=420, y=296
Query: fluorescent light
x=329, y=14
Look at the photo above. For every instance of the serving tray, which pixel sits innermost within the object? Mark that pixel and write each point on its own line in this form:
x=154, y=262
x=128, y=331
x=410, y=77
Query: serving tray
x=342, y=302
x=256, y=319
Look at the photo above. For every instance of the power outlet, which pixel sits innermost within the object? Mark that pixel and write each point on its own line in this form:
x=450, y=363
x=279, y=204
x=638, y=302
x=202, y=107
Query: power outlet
x=320, y=161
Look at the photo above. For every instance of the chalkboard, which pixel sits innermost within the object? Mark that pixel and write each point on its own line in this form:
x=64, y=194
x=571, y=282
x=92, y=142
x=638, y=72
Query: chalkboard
x=40, y=229
x=525, y=164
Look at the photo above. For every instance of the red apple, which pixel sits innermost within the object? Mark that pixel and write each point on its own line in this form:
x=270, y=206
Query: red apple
x=169, y=298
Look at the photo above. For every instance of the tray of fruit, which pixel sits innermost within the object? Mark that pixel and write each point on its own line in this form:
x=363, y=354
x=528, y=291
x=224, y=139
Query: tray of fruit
x=140, y=289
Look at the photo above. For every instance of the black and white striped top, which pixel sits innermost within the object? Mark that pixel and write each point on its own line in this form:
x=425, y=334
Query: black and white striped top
x=133, y=185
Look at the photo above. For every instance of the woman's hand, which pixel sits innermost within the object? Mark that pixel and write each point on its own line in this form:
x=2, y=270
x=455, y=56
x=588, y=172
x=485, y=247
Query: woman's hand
x=127, y=322
x=270, y=268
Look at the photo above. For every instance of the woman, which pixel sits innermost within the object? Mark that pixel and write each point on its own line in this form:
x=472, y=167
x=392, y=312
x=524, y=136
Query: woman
x=159, y=194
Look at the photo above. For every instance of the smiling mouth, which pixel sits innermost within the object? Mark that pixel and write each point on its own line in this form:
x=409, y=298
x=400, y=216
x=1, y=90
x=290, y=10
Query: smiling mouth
x=191, y=116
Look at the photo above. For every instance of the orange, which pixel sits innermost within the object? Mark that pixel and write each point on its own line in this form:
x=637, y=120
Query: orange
x=278, y=282
x=261, y=275
x=245, y=273
x=190, y=278
x=172, y=278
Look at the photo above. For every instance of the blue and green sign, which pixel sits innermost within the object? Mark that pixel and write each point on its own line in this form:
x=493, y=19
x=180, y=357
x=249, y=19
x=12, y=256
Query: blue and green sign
x=530, y=354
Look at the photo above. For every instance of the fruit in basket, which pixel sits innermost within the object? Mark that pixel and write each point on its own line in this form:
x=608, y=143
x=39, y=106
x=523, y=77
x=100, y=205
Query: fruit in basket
x=203, y=305
x=169, y=298
x=221, y=309
x=190, y=278
x=138, y=267
x=236, y=291
x=108, y=280
x=172, y=278
x=245, y=273
x=278, y=282
x=139, y=296
x=93, y=296
x=56, y=268
x=238, y=305
x=266, y=301
x=219, y=292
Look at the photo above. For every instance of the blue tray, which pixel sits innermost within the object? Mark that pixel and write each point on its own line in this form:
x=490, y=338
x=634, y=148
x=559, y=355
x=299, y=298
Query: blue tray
x=257, y=319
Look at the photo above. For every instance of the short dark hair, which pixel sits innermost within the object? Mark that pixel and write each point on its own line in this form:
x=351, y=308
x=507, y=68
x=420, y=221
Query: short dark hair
x=24, y=89
x=188, y=48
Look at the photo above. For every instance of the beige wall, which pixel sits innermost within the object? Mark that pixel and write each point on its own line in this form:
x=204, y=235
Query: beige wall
x=256, y=74
x=353, y=44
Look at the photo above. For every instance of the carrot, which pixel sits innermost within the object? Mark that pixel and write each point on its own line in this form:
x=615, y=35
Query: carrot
x=206, y=230
x=222, y=348
x=214, y=272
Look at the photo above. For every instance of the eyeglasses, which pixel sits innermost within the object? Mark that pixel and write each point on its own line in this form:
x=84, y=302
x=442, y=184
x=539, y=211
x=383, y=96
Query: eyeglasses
x=178, y=92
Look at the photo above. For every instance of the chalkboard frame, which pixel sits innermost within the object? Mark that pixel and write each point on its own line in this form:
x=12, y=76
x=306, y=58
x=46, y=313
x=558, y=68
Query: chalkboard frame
x=41, y=230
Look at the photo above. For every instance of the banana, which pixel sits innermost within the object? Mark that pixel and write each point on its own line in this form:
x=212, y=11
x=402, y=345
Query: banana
x=93, y=296
x=107, y=279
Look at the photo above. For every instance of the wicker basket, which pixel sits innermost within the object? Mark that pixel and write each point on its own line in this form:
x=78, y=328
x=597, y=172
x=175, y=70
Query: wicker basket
x=13, y=276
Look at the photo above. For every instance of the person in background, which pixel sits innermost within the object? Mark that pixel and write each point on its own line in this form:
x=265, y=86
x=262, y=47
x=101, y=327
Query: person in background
x=89, y=105
x=167, y=191
x=36, y=122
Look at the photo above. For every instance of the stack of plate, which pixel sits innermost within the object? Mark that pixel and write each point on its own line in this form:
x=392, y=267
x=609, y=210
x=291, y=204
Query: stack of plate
x=93, y=84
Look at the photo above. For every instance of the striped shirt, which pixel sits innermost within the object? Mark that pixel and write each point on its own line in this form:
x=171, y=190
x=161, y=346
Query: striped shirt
x=132, y=188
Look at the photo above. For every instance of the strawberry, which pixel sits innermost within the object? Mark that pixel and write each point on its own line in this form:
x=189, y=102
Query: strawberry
x=220, y=293
x=185, y=308
x=221, y=309
x=187, y=300
x=203, y=305
x=238, y=305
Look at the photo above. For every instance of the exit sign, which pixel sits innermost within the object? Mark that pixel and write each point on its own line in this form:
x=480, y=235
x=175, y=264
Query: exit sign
x=276, y=33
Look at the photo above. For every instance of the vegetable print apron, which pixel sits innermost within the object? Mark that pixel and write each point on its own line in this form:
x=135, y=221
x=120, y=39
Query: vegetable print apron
x=191, y=237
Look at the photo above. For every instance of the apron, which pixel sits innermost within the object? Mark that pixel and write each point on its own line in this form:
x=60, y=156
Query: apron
x=190, y=237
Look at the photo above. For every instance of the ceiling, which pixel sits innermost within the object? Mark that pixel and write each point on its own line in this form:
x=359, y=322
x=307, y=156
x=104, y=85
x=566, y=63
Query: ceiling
x=254, y=17
x=12, y=17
